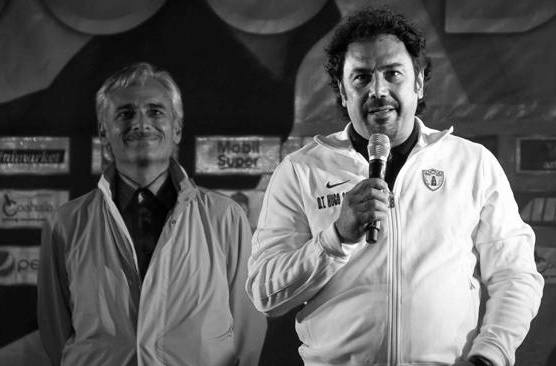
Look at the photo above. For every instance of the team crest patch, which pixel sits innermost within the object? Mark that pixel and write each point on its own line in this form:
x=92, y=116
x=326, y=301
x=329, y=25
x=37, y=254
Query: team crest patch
x=434, y=179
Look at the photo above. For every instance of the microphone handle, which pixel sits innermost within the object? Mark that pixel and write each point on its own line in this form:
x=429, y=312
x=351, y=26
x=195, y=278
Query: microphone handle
x=377, y=169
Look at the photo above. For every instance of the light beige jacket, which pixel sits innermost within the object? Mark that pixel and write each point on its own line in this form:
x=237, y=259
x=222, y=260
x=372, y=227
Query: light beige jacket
x=191, y=308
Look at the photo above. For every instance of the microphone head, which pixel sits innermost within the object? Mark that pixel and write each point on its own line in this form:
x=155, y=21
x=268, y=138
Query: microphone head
x=379, y=147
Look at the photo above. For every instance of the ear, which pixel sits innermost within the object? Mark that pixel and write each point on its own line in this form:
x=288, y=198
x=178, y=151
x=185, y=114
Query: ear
x=102, y=133
x=420, y=85
x=106, y=150
x=342, y=92
x=177, y=132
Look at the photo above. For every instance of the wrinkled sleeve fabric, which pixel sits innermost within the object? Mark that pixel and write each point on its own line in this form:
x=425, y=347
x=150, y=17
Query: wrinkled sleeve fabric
x=53, y=307
x=249, y=324
x=505, y=245
x=288, y=264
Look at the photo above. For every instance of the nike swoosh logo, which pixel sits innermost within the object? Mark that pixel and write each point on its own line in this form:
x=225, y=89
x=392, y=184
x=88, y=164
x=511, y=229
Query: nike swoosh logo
x=328, y=185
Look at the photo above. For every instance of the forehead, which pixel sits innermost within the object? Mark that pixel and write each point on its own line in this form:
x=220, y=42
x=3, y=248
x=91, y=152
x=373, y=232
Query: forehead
x=382, y=50
x=151, y=91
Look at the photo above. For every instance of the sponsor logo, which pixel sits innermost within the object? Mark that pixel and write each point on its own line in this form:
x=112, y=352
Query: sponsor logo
x=31, y=156
x=10, y=206
x=7, y=263
x=239, y=155
x=236, y=155
x=28, y=208
x=19, y=265
x=433, y=179
x=34, y=155
x=329, y=185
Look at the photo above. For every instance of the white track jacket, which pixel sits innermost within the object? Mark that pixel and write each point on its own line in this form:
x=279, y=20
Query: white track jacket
x=191, y=308
x=412, y=298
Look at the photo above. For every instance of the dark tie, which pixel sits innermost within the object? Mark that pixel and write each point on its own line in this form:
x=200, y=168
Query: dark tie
x=145, y=226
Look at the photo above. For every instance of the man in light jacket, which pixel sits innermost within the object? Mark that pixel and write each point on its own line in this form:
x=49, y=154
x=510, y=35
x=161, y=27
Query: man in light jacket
x=449, y=225
x=146, y=269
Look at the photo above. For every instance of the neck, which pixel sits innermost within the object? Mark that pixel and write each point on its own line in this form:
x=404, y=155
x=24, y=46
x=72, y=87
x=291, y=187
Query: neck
x=150, y=177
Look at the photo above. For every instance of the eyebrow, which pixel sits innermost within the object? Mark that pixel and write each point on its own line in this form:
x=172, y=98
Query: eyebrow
x=156, y=105
x=392, y=65
x=124, y=107
x=132, y=106
x=382, y=67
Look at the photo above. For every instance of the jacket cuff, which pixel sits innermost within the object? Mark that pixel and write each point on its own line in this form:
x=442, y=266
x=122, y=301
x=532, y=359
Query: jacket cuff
x=477, y=360
x=490, y=352
x=330, y=243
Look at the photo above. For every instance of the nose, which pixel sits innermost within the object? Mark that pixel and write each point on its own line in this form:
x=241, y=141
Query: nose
x=378, y=86
x=141, y=122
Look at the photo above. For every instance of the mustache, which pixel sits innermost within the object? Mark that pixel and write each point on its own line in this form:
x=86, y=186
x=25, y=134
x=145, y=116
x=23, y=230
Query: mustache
x=140, y=135
x=381, y=103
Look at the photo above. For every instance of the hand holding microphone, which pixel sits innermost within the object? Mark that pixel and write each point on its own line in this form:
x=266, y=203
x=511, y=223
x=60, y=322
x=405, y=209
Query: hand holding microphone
x=366, y=205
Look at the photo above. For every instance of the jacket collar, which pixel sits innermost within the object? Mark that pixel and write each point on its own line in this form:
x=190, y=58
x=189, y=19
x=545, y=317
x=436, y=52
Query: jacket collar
x=340, y=140
x=430, y=136
x=185, y=186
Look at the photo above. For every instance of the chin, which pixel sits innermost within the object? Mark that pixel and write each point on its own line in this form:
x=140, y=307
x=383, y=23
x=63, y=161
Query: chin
x=143, y=162
x=152, y=159
x=378, y=128
x=141, y=159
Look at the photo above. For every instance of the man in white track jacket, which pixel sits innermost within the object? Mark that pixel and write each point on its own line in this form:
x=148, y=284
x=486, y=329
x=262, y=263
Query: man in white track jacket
x=449, y=226
x=147, y=269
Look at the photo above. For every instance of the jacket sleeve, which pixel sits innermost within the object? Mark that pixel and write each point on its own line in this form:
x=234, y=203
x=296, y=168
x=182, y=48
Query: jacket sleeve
x=53, y=309
x=288, y=264
x=249, y=324
x=505, y=245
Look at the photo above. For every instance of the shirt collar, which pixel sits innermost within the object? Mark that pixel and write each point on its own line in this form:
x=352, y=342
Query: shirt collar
x=125, y=190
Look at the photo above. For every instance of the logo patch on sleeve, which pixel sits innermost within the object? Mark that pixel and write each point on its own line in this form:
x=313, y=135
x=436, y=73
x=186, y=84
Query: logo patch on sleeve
x=433, y=179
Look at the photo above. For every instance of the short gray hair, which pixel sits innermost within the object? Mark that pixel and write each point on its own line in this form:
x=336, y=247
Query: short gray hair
x=138, y=73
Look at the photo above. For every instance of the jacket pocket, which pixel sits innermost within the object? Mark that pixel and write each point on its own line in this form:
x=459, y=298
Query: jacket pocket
x=350, y=327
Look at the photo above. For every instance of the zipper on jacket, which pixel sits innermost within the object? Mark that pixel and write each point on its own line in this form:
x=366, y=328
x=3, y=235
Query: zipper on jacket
x=394, y=264
x=395, y=286
x=390, y=281
x=398, y=287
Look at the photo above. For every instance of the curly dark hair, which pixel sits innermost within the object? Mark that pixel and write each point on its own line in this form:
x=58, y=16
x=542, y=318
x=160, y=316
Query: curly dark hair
x=365, y=25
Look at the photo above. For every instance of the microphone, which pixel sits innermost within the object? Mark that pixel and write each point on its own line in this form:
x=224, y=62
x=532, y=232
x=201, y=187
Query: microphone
x=378, y=149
